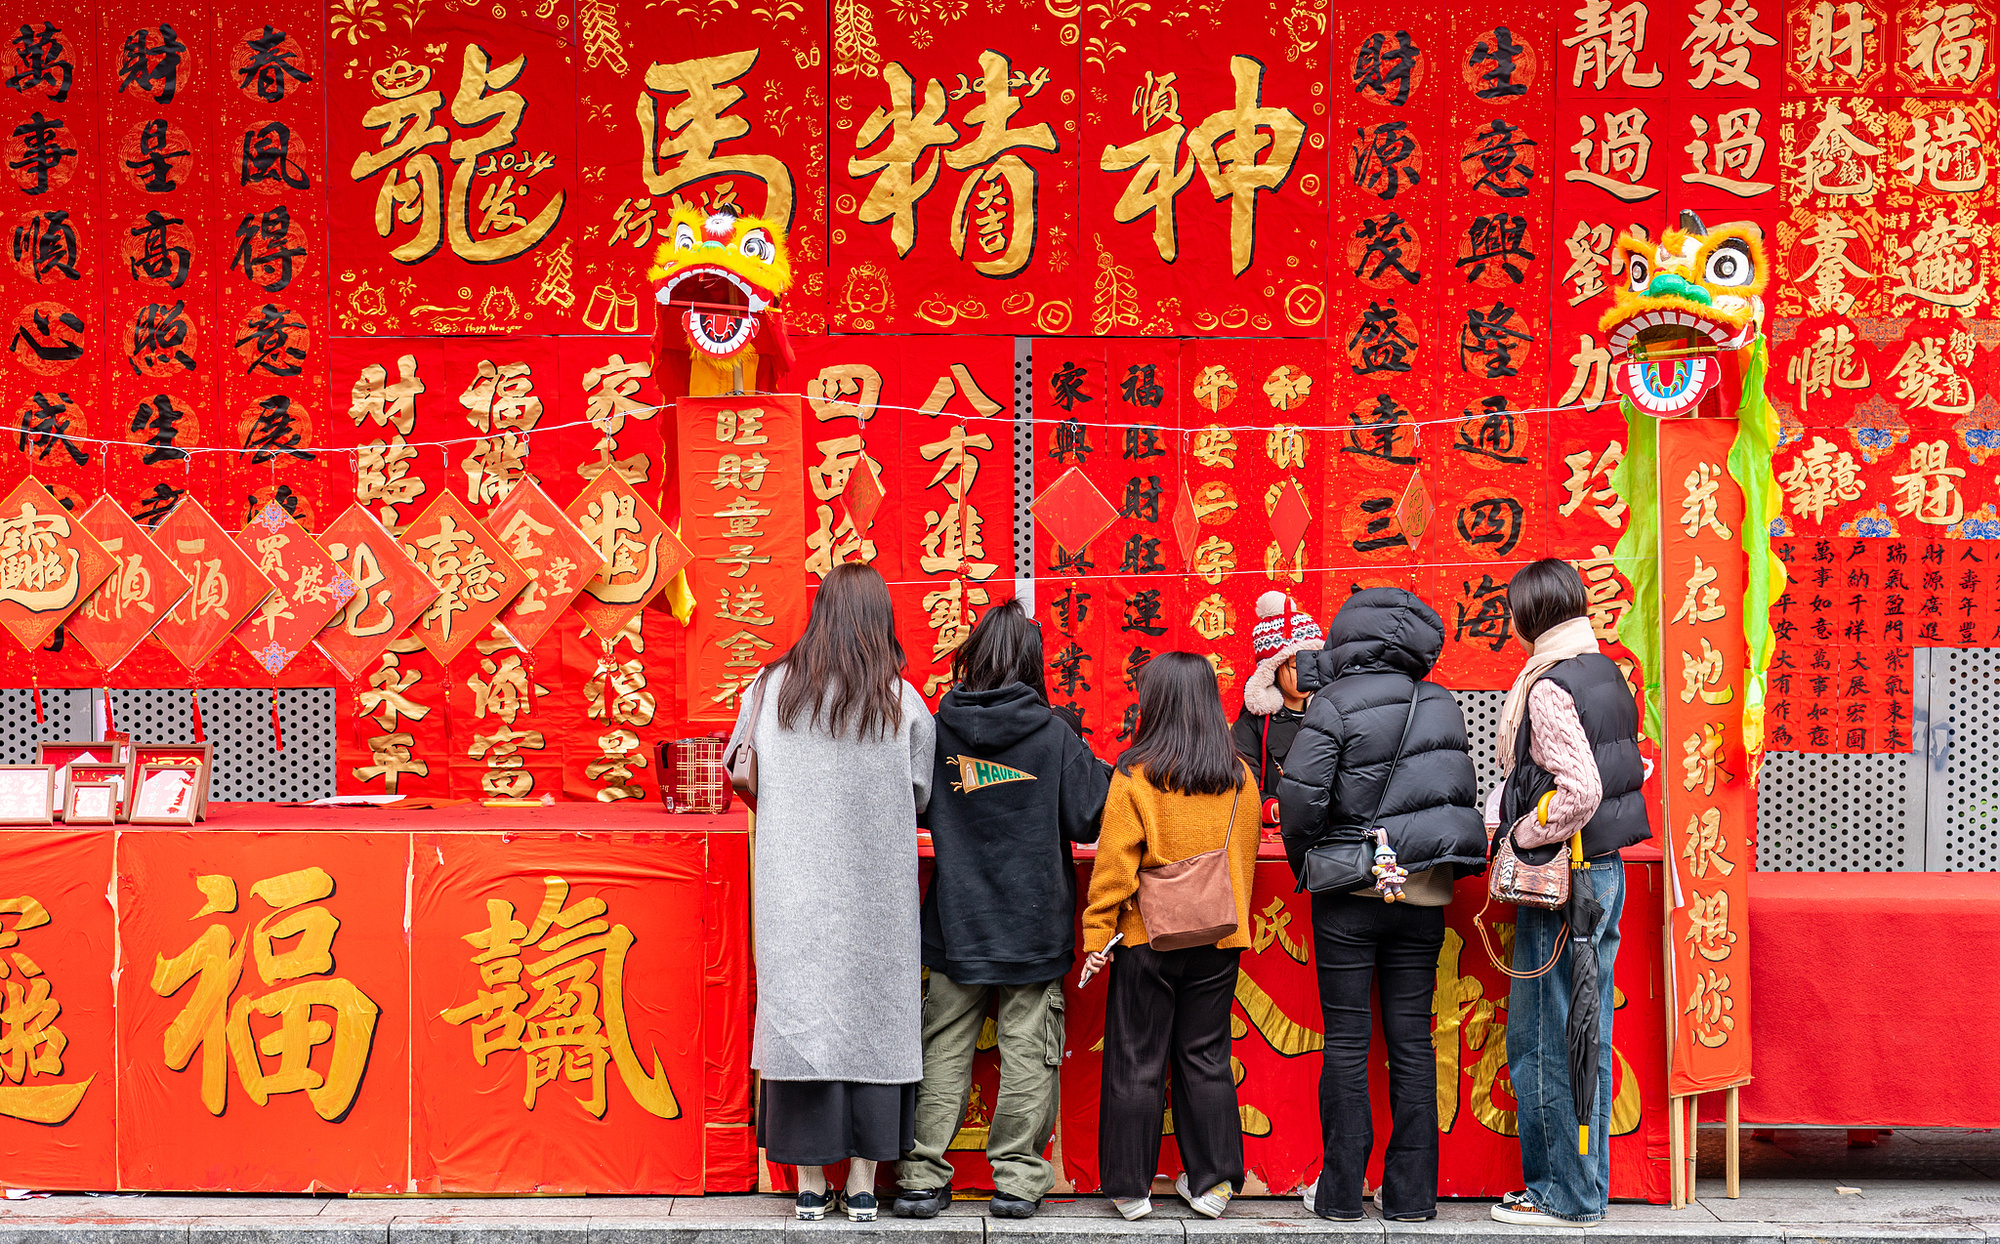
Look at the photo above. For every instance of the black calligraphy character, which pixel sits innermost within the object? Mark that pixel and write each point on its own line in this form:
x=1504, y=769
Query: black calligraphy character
x=1141, y=556
x=1491, y=621
x=1497, y=239
x=1135, y=661
x=1071, y=609
x=1489, y=339
x=1066, y=386
x=1142, y=613
x=269, y=65
x=1375, y=433
x=1069, y=673
x=156, y=71
x=1502, y=170
x=1072, y=563
x=157, y=333
x=1489, y=432
x=44, y=421
x=1373, y=538
x=1382, y=68
x=42, y=61
x=1495, y=521
x=1379, y=344
x=1072, y=443
x=1142, y=499
x=51, y=347
x=273, y=432
x=1142, y=444
x=1139, y=387
x=282, y=496
x=157, y=261
x=1382, y=159
x=161, y=422
x=270, y=268
x=41, y=151
x=48, y=242
x=1499, y=52
x=1383, y=238
x=267, y=156
x=270, y=341
x=1128, y=725
x=154, y=507
x=154, y=158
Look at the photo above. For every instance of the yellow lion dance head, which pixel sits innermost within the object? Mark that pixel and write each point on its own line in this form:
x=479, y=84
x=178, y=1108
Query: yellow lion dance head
x=727, y=274
x=1688, y=301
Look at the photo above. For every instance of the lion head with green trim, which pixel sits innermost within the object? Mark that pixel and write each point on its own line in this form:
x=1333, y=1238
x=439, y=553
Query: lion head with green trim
x=726, y=272
x=1688, y=301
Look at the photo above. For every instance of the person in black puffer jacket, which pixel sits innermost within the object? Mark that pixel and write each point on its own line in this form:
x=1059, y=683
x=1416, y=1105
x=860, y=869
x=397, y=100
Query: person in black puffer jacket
x=1014, y=787
x=1379, y=650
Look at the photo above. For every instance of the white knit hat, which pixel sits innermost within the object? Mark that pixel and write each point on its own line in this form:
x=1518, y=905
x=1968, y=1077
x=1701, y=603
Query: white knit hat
x=1283, y=629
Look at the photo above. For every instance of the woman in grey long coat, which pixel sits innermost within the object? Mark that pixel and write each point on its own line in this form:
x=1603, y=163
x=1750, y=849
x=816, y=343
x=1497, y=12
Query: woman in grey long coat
x=843, y=766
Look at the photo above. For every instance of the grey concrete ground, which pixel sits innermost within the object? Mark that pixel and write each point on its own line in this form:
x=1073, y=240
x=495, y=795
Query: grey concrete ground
x=1913, y=1188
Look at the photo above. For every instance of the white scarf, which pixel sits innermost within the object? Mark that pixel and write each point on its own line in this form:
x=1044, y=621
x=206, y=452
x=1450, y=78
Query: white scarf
x=1557, y=644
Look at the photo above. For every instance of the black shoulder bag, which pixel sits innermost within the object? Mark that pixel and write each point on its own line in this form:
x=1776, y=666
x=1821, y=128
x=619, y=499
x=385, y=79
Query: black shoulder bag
x=1344, y=860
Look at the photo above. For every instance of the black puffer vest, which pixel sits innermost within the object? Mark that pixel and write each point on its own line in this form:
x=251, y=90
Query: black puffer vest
x=1379, y=649
x=1611, y=721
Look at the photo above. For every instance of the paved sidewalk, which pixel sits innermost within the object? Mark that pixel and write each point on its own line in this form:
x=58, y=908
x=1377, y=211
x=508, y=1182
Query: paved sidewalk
x=1917, y=1188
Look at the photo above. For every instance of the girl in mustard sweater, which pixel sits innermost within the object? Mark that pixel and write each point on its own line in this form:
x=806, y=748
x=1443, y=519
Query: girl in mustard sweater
x=1172, y=797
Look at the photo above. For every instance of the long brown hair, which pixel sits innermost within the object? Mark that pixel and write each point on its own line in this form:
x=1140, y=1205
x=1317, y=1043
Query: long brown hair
x=1183, y=740
x=846, y=671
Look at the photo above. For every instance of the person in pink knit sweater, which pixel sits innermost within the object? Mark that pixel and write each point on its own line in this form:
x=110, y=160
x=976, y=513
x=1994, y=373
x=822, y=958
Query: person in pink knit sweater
x=1569, y=745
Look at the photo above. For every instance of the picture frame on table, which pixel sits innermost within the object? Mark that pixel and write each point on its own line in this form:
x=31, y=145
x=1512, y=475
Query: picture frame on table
x=166, y=794
x=199, y=756
x=118, y=775
x=62, y=755
x=27, y=795
x=93, y=803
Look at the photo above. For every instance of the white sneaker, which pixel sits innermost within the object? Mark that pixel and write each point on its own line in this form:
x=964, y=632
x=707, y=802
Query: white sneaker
x=1311, y=1194
x=1133, y=1208
x=1209, y=1204
x=1521, y=1212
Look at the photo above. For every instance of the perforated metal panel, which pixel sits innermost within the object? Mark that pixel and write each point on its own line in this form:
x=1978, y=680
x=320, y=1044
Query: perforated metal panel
x=1482, y=727
x=248, y=765
x=65, y=719
x=1024, y=471
x=1840, y=814
x=1964, y=813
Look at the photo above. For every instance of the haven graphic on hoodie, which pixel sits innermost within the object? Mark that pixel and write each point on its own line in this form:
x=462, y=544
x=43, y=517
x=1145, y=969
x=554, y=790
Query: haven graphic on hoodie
x=976, y=774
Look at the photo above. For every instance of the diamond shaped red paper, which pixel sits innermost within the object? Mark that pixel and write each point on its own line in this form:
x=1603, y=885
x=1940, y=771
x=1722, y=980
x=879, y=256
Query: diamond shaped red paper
x=307, y=588
x=390, y=593
x=1413, y=512
x=474, y=574
x=227, y=586
x=554, y=553
x=864, y=494
x=1289, y=518
x=639, y=552
x=1073, y=511
x=49, y=563
x=142, y=587
x=1187, y=524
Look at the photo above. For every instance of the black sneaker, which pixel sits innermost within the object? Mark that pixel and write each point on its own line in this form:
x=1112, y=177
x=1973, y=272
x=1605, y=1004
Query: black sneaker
x=921, y=1202
x=1005, y=1206
x=858, y=1206
x=811, y=1206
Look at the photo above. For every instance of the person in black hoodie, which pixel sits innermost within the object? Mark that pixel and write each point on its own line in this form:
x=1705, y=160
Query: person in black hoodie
x=1014, y=787
x=1381, y=747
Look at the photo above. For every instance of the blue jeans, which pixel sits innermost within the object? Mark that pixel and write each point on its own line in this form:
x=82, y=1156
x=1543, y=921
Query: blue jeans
x=1562, y=1182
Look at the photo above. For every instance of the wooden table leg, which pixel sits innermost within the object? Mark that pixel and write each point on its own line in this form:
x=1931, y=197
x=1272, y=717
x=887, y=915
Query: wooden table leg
x=1733, y=1159
x=1676, y=1170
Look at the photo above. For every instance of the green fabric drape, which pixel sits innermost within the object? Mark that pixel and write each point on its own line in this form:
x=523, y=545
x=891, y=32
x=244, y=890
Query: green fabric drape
x=1637, y=556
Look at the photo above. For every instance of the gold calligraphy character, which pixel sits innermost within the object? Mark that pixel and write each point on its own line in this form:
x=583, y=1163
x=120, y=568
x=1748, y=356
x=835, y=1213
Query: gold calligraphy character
x=385, y=403
x=1837, y=161
x=1938, y=266
x=1703, y=602
x=1701, y=759
x=1736, y=156
x=1830, y=267
x=913, y=130
x=1604, y=593
x=1004, y=179
x=1585, y=469
x=611, y=393
x=1257, y=155
x=1836, y=35
x=1701, y=674
x=684, y=150
x=387, y=698
x=1703, y=843
x=389, y=757
x=1215, y=446
x=1722, y=41
x=1609, y=41
x=1709, y=1004
x=1926, y=379
x=482, y=97
x=740, y=427
x=1709, y=934
x=1827, y=362
x=1948, y=43
x=30, y=1043
x=1927, y=491
x=1214, y=558
x=1624, y=150
x=1699, y=501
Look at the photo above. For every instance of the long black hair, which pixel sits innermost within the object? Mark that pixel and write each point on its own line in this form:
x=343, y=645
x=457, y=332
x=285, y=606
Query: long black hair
x=1545, y=594
x=1183, y=739
x=1005, y=647
x=846, y=671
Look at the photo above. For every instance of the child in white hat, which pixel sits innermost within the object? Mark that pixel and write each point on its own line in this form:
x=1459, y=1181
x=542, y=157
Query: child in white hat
x=1272, y=705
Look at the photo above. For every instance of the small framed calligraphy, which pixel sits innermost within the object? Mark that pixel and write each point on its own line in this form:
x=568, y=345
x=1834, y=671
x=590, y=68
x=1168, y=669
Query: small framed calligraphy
x=27, y=794
x=167, y=794
x=93, y=803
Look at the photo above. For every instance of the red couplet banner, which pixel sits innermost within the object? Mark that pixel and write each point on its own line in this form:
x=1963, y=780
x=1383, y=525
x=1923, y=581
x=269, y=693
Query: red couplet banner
x=1710, y=839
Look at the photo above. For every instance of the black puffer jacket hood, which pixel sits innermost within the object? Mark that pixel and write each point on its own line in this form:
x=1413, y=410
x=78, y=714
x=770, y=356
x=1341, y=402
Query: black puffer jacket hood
x=1380, y=647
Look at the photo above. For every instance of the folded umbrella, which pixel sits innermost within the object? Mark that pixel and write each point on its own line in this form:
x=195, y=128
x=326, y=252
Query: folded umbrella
x=1583, y=913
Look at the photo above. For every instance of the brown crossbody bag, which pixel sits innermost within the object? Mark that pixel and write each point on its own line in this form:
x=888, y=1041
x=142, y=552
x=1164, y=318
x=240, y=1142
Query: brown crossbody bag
x=1191, y=902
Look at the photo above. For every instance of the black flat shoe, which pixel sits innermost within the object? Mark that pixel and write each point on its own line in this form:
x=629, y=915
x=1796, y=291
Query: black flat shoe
x=811, y=1206
x=1005, y=1206
x=921, y=1202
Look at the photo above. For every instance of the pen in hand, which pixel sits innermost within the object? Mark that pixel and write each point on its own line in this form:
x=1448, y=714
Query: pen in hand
x=1091, y=961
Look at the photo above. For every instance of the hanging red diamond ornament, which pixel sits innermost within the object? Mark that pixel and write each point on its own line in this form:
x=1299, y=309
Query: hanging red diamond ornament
x=1289, y=517
x=1187, y=525
x=1413, y=512
x=864, y=494
x=1073, y=510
